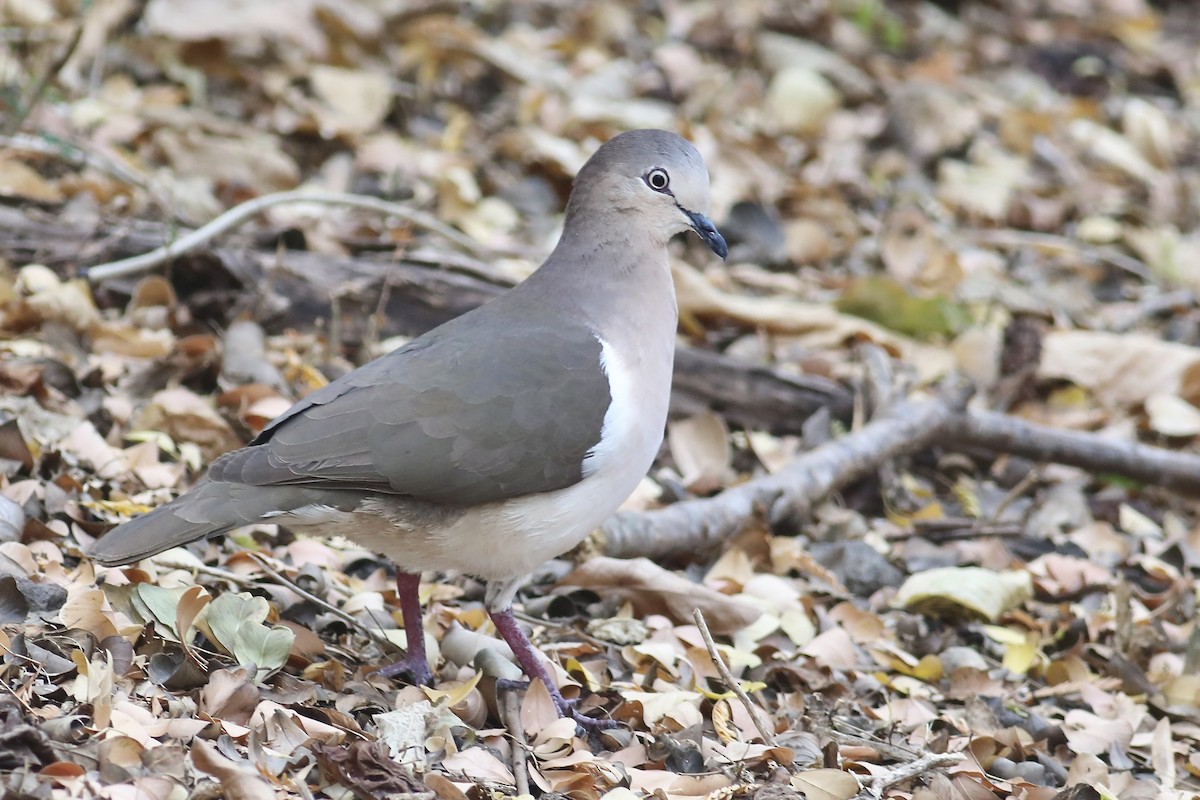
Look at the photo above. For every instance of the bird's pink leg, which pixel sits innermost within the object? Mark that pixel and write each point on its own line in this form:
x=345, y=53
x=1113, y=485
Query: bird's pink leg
x=528, y=658
x=415, y=664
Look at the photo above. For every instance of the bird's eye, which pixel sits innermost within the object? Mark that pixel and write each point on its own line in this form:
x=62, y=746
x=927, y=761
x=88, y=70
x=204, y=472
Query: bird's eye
x=658, y=179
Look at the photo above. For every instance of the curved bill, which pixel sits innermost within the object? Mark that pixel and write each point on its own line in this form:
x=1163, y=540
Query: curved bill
x=709, y=233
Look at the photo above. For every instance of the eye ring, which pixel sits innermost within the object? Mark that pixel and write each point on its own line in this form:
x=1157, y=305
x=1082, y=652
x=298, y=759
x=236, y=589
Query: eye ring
x=658, y=179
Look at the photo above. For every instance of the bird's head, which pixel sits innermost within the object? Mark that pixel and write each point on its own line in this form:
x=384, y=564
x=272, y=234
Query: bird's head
x=656, y=177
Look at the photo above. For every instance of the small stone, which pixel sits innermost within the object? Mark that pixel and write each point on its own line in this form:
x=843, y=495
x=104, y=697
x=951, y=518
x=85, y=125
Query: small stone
x=800, y=100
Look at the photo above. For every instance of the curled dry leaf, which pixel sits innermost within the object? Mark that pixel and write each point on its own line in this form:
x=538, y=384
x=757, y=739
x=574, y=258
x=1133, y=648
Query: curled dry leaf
x=955, y=591
x=650, y=589
x=1121, y=369
x=1113, y=149
x=1172, y=416
x=825, y=784
x=238, y=781
x=187, y=417
x=915, y=255
x=700, y=446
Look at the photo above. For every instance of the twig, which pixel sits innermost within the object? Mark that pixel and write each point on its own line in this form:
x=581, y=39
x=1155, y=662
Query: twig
x=13, y=124
x=332, y=609
x=204, y=569
x=510, y=711
x=74, y=154
x=842, y=732
x=1011, y=496
x=904, y=772
x=1048, y=241
x=730, y=681
x=1156, y=466
x=951, y=529
x=240, y=213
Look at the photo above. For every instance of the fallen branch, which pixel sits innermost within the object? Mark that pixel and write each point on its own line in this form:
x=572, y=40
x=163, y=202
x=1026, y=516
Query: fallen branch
x=879, y=784
x=251, y=208
x=692, y=526
x=1168, y=469
x=764, y=728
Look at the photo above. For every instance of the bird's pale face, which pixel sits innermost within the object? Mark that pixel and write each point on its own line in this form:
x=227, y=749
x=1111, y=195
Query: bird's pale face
x=672, y=195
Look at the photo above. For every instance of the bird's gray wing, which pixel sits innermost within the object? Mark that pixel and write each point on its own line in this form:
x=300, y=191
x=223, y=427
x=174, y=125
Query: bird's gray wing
x=450, y=418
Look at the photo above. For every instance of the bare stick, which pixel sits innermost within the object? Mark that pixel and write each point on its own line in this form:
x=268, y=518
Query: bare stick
x=1157, y=466
x=332, y=609
x=74, y=154
x=1061, y=244
x=904, y=772
x=697, y=526
x=730, y=681
x=510, y=710
x=204, y=569
x=43, y=82
x=244, y=211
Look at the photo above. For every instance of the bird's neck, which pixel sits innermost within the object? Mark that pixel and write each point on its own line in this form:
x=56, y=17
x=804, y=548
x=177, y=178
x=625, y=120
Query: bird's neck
x=614, y=282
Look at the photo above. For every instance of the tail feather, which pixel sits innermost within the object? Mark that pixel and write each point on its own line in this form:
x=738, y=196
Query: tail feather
x=208, y=510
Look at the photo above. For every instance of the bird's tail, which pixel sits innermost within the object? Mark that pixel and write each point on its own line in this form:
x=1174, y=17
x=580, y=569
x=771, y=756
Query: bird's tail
x=210, y=509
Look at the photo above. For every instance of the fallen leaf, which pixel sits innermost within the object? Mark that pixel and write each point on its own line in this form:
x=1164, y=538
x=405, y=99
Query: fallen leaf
x=971, y=591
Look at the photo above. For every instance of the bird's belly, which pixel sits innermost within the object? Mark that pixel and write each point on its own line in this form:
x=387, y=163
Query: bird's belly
x=497, y=540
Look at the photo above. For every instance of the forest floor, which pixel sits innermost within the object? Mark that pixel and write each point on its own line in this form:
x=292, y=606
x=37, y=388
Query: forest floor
x=1006, y=191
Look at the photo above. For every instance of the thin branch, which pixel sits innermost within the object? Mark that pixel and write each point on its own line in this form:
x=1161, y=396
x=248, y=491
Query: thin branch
x=1061, y=244
x=14, y=123
x=905, y=772
x=204, y=569
x=321, y=602
x=510, y=713
x=1156, y=466
x=730, y=681
x=74, y=154
x=251, y=208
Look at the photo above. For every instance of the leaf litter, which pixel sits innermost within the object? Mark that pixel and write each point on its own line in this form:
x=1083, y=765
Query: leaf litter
x=1003, y=188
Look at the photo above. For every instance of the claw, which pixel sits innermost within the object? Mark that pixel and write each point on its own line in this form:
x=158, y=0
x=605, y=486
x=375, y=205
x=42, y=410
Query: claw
x=412, y=669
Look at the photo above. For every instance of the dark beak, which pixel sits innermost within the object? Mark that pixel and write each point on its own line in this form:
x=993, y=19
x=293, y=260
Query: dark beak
x=709, y=233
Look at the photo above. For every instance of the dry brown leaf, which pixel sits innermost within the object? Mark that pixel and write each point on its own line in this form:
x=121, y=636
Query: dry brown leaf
x=243, y=156
x=186, y=417
x=833, y=649
x=238, y=781
x=915, y=255
x=700, y=446
x=21, y=181
x=353, y=101
x=479, y=764
x=1091, y=734
x=984, y=187
x=650, y=589
x=973, y=591
x=293, y=21
x=825, y=784
x=1122, y=369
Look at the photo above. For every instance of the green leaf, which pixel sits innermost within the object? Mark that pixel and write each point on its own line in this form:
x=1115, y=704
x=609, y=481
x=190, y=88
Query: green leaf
x=235, y=624
x=882, y=300
x=266, y=648
x=227, y=613
x=160, y=606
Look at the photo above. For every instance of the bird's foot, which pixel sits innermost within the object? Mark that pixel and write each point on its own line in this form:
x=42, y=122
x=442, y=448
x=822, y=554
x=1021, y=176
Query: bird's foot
x=411, y=668
x=566, y=708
